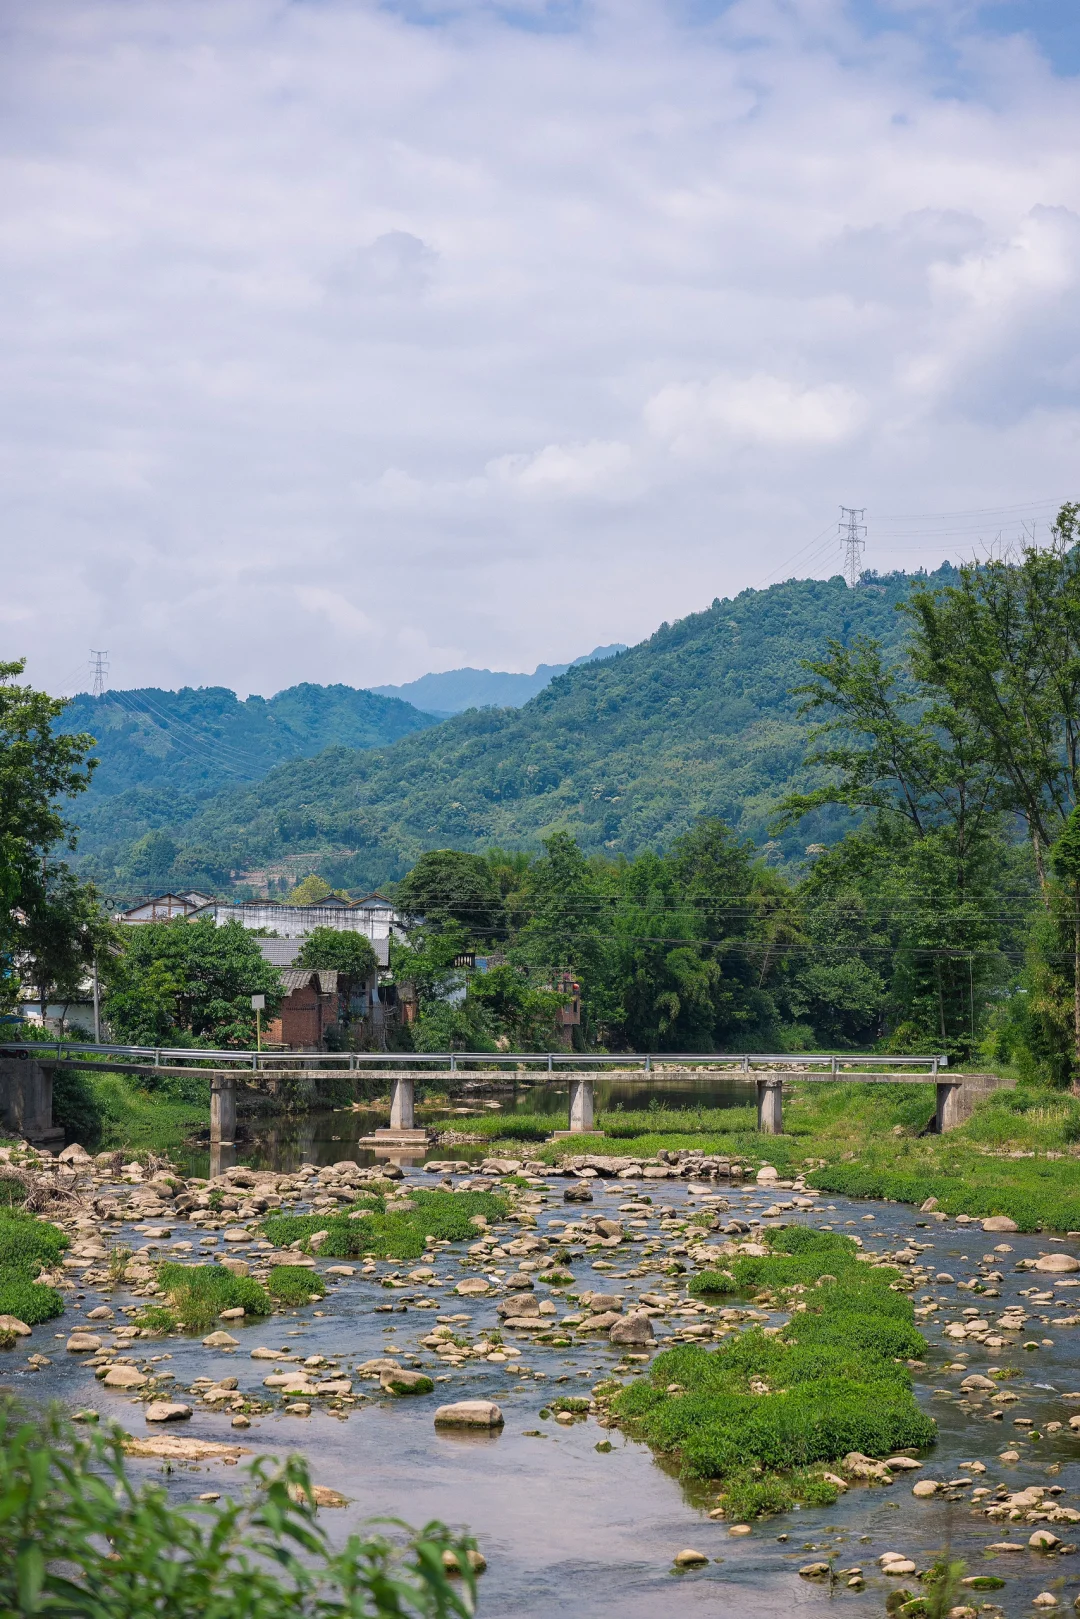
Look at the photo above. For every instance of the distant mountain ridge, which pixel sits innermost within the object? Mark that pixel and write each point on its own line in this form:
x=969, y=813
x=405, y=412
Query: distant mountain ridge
x=459, y=689
x=625, y=753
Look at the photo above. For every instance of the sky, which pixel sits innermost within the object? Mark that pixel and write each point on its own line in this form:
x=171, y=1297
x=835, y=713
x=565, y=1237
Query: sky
x=346, y=341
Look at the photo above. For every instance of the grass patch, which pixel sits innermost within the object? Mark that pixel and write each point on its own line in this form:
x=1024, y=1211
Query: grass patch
x=157, y=1318
x=27, y=1247
x=761, y=1412
x=622, y=1125
x=294, y=1284
x=440, y=1216
x=505, y=1126
x=128, y=1115
x=199, y=1293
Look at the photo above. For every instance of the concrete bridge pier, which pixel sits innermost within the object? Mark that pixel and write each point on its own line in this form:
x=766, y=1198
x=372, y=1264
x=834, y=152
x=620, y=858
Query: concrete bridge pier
x=402, y=1103
x=222, y=1110
x=770, y=1106
x=581, y=1104
x=26, y=1100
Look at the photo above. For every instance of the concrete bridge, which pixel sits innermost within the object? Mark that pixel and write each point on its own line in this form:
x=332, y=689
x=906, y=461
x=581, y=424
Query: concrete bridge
x=26, y=1075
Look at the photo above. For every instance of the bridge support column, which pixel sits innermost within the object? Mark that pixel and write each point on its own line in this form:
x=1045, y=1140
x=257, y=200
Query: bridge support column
x=770, y=1106
x=222, y=1110
x=402, y=1110
x=581, y=1105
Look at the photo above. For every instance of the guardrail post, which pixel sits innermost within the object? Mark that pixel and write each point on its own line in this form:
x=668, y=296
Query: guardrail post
x=581, y=1103
x=770, y=1106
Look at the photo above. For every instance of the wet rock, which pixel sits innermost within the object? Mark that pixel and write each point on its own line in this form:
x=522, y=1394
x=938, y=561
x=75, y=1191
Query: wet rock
x=1044, y=1540
x=83, y=1342
x=901, y=1464
x=814, y=1571
x=473, y=1285
x=577, y=1194
x=167, y=1411
x=220, y=1340
x=740, y=1529
x=235, y=1266
x=1045, y=1599
x=102, y=1313
x=975, y=1381
x=401, y=1382
x=173, y=1448
x=1056, y=1264
x=860, y=1466
x=452, y=1563
x=1000, y=1222
x=528, y=1305
x=766, y=1174
x=11, y=1323
x=925, y=1488
x=469, y=1414
x=236, y=1313
x=688, y=1558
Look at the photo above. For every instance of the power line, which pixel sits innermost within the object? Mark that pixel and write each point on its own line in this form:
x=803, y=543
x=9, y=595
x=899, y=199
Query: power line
x=853, y=531
x=100, y=670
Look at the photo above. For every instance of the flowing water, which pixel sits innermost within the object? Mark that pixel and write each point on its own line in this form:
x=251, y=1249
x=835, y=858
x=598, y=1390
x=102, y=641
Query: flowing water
x=564, y=1526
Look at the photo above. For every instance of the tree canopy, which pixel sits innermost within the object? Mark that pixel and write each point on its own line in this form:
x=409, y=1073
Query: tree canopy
x=189, y=983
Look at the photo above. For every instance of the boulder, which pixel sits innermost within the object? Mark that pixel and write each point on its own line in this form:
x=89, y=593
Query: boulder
x=577, y=1194
x=634, y=1329
x=167, y=1411
x=124, y=1377
x=1056, y=1264
x=81, y=1343
x=173, y=1448
x=11, y=1323
x=925, y=1487
x=473, y=1285
x=75, y=1154
x=766, y=1174
x=234, y=1265
x=860, y=1466
x=1000, y=1222
x=1043, y=1540
x=220, y=1340
x=692, y=1559
x=469, y=1414
x=527, y=1304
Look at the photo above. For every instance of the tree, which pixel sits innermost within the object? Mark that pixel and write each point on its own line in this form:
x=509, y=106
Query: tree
x=63, y=936
x=1002, y=648
x=352, y=954
x=1065, y=863
x=449, y=885
x=311, y=891
x=189, y=983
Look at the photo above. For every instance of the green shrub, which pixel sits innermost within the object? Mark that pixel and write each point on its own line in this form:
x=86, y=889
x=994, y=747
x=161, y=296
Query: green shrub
x=77, y=1107
x=294, y=1284
x=199, y=1293
x=28, y=1245
x=440, y=1216
x=79, y=1537
x=157, y=1318
x=29, y=1301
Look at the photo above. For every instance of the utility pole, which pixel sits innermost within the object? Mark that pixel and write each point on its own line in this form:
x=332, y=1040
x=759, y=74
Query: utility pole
x=853, y=530
x=97, y=1006
x=100, y=671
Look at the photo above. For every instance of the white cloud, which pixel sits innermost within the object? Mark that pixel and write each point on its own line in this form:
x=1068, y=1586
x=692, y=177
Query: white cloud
x=338, y=337
x=696, y=418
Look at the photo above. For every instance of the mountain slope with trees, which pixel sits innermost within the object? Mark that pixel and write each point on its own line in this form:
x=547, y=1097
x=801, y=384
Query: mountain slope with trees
x=625, y=754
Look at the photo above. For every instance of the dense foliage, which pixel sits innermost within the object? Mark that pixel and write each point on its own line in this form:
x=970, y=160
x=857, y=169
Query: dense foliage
x=352, y=954
x=80, y=1536
x=189, y=983
x=370, y=1228
x=27, y=1247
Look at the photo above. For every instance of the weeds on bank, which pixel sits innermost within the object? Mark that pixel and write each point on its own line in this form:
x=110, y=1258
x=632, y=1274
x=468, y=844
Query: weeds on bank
x=199, y=1293
x=762, y=1411
x=294, y=1285
x=372, y=1229
x=27, y=1247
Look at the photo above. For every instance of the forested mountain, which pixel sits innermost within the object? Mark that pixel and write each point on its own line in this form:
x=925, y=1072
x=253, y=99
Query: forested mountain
x=458, y=689
x=162, y=753
x=625, y=753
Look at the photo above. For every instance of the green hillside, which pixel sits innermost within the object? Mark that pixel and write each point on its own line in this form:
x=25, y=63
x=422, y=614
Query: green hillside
x=625, y=753
x=162, y=754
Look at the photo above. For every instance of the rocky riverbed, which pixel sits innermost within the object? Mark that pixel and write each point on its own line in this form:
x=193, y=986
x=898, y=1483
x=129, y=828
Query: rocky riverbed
x=532, y=1324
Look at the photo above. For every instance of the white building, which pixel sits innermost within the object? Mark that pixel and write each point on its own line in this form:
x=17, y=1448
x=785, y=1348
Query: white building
x=374, y=916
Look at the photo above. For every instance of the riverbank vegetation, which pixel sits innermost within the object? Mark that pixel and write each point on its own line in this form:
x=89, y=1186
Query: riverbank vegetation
x=371, y=1227
x=27, y=1247
x=80, y=1535
x=763, y=1414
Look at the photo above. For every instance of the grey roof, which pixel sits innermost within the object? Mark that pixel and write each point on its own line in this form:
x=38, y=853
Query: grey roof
x=300, y=977
x=279, y=952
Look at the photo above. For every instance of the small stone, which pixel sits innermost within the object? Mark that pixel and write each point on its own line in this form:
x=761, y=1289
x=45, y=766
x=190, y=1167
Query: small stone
x=898, y=1567
x=240, y=1421
x=473, y=1284
x=740, y=1529
x=237, y=1313
x=925, y=1487
x=901, y=1464
x=1009, y=1456
x=101, y=1313
x=220, y=1340
x=943, y=1277
x=1043, y=1540
x=400, y=1382
x=452, y=1565
x=469, y=1414
x=1045, y=1599
x=167, y=1411
x=765, y=1174
x=814, y=1571
x=689, y=1558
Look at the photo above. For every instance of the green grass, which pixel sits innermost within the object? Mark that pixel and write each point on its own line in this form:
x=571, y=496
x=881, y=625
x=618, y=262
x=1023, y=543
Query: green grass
x=762, y=1412
x=683, y=1121
x=199, y=1293
x=137, y=1119
x=440, y=1216
x=294, y=1284
x=27, y=1247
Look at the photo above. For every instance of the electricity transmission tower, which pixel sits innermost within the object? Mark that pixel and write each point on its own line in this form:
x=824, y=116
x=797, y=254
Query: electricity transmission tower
x=853, y=529
x=100, y=670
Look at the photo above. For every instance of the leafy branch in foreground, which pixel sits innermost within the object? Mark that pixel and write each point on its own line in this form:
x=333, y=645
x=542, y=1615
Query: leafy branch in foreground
x=79, y=1537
